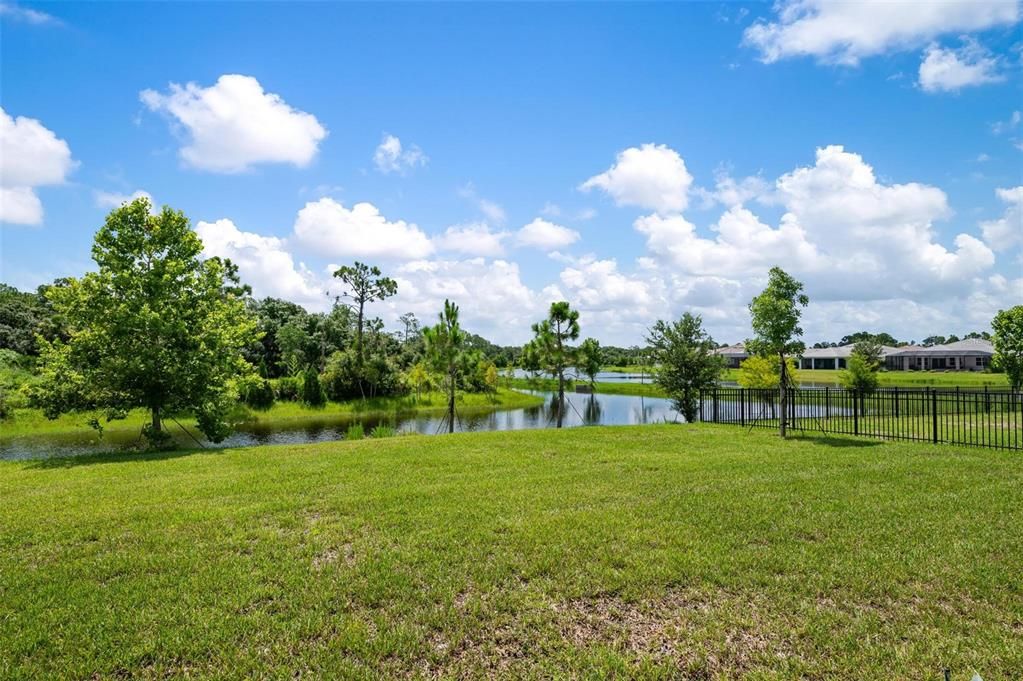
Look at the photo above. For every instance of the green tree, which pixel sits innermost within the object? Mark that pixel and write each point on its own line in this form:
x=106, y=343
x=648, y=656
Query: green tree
x=293, y=342
x=551, y=345
x=686, y=363
x=411, y=325
x=775, y=319
x=445, y=345
x=763, y=373
x=860, y=375
x=418, y=376
x=365, y=285
x=312, y=390
x=589, y=359
x=157, y=326
x=1008, y=342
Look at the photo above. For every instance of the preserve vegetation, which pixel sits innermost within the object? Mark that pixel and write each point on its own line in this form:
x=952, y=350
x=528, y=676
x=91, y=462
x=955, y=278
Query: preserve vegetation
x=638, y=552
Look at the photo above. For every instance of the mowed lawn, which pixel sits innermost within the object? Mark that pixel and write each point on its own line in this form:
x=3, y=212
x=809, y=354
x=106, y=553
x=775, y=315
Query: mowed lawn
x=656, y=551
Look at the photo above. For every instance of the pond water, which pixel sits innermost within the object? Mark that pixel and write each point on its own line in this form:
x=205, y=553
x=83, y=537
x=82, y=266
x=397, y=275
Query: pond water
x=580, y=410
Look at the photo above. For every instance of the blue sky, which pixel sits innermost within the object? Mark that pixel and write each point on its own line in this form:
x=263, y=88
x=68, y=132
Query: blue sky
x=637, y=160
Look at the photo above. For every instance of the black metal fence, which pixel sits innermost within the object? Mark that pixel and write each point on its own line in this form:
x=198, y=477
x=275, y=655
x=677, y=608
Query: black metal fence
x=981, y=418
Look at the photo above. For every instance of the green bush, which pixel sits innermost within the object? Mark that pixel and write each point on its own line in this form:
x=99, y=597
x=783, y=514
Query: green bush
x=312, y=391
x=355, y=432
x=257, y=393
x=287, y=388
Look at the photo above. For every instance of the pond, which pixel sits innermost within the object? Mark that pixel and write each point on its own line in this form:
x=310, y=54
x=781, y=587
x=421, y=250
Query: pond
x=580, y=410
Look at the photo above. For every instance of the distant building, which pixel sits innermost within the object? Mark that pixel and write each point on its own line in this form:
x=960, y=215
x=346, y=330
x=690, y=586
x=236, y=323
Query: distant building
x=734, y=355
x=972, y=354
x=832, y=358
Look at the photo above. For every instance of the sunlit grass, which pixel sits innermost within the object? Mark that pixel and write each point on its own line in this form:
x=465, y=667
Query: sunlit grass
x=656, y=551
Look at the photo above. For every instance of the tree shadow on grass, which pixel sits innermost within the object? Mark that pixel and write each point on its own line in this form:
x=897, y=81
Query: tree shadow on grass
x=140, y=456
x=837, y=441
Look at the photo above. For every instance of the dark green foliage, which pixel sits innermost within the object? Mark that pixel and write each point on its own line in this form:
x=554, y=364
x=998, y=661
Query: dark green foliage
x=287, y=388
x=1008, y=342
x=256, y=392
x=157, y=326
x=550, y=345
x=589, y=359
x=25, y=315
x=686, y=364
x=445, y=349
x=312, y=391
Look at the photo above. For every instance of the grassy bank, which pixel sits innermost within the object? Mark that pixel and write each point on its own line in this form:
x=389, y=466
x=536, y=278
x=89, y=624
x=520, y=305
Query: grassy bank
x=907, y=379
x=31, y=421
x=687, y=551
x=603, y=387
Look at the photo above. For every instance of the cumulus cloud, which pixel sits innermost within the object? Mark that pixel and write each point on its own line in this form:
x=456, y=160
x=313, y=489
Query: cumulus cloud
x=391, y=157
x=475, y=238
x=652, y=176
x=361, y=232
x=263, y=262
x=1007, y=231
x=111, y=200
x=948, y=70
x=30, y=156
x=546, y=235
x=491, y=295
x=846, y=32
x=234, y=124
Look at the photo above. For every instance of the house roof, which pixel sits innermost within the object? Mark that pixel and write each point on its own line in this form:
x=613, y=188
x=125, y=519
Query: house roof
x=964, y=348
x=841, y=352
x=737, y=350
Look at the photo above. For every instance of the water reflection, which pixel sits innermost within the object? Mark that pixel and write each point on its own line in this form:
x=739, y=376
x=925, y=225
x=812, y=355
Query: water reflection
x=580, y=410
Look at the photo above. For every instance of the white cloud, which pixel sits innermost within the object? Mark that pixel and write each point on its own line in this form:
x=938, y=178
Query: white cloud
x=30, y=16
x=234, y=125
x=263, y=262
x=492, y=298
x=391, y=157
x=652, y=176
x=845, y=32
x=493, y=211
x=113, y=200
x=474, y=238
x=1009, y=125
x=30, y=156
x=948, y=70
x=1006, y=231
x=731, y=192
x=361, y=232
x=546, y=235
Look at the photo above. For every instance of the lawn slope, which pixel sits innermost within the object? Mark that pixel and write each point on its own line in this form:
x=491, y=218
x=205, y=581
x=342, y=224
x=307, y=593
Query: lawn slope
x=701, y=551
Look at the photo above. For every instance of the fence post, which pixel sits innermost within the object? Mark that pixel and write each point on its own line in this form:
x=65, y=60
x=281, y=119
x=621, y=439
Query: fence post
x=987, y=401
x=701, y=405
x=827, y=403
x=715, y=405
x=934, y=416
x=742, y=406
x=856, y=413
x=896, y=389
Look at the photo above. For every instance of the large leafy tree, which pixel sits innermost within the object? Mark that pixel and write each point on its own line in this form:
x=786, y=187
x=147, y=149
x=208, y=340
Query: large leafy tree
x=550, y=343
x=445, y=348
x=685, y=359
x=157, y=326
x=775, y=319
x=1008, y=341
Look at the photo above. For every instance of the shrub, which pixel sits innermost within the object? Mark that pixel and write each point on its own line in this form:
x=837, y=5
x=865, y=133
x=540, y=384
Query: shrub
x=383, y=431
x=312, y=391
x=257, y=393
x=287, y=388
x=355, y=432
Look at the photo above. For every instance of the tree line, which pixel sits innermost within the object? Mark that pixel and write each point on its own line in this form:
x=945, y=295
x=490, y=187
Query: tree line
x=159, y=327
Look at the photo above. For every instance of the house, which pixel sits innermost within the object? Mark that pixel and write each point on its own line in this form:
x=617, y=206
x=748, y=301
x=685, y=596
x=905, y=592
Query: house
x=734, y=355
x=972, y=354
x=832, y=358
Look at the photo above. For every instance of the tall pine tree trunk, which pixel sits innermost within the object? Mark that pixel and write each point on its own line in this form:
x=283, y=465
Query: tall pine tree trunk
x=156, y=425
x=451, y=403
x=561, y=396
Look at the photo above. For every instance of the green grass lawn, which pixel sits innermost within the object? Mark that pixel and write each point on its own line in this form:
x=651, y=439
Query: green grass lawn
x=656, y=551
x=27, y=422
